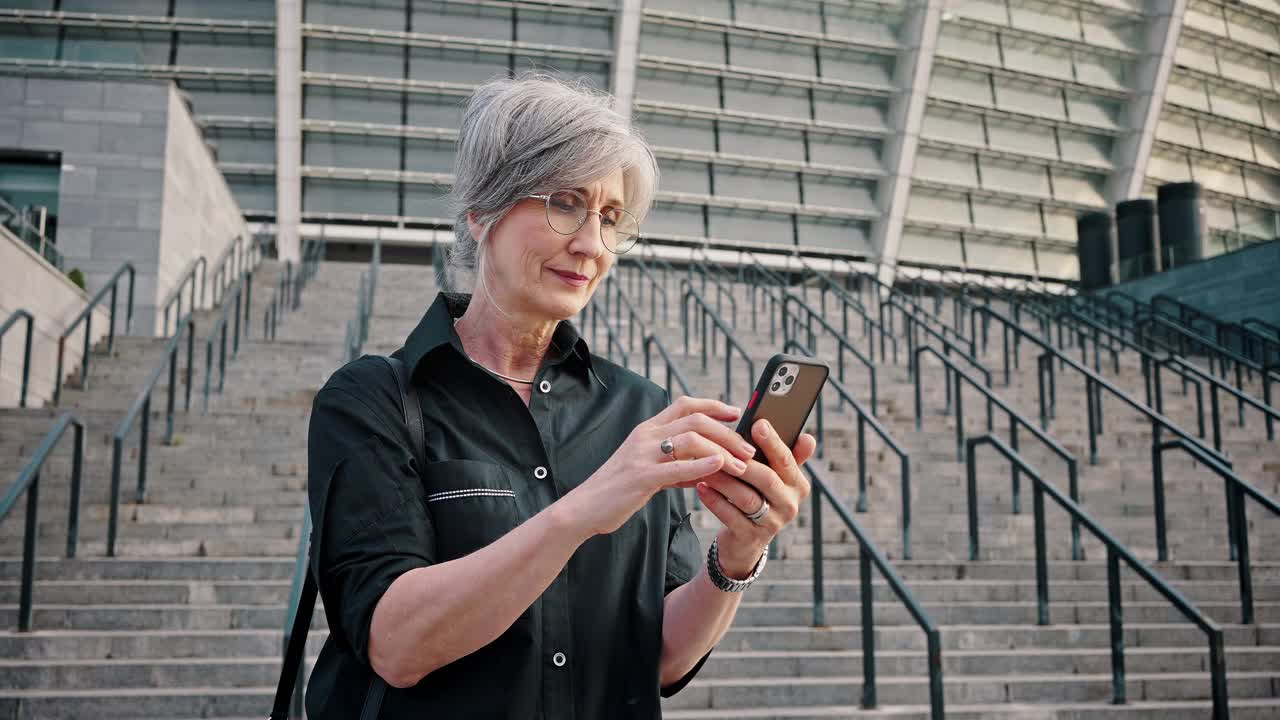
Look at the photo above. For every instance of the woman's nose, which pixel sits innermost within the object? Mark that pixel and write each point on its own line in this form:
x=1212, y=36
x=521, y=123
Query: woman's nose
x=587, y=240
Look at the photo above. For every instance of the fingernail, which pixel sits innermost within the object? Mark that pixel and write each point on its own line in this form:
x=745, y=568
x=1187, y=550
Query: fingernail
x=748, y=449
x=738, y=465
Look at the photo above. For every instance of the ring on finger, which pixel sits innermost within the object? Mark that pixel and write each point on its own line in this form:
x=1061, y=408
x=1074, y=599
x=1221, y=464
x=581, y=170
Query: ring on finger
x=759, y=515
x=668, y=448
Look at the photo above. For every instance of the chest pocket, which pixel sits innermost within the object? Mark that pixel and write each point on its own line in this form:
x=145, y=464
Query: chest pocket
x=472, y=503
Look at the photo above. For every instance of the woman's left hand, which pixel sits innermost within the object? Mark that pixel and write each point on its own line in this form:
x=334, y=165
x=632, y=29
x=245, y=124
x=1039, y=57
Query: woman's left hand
x=781, y=483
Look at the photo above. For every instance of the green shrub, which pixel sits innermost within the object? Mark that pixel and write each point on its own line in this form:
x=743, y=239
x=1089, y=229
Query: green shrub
x=77, y=277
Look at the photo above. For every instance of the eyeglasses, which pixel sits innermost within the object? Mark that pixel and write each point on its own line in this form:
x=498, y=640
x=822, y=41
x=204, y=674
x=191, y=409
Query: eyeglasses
x=567, y=210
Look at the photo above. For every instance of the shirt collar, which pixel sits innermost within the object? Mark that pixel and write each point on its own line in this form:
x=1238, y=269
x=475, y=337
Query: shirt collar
x=436, y=329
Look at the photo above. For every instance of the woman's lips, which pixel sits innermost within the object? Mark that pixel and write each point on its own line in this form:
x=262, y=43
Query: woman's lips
x=572, y=279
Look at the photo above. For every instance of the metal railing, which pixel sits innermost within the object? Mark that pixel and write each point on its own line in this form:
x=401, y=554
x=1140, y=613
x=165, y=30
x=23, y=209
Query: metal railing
x=1115, y=553
x=86, y=317
x=711, y=321
x=722, y=292
x=844, y=345
x=868, y=555
x=673, y=372
x=644, y=280
x=1016, y=420
x=866, y=419
x=187, y=278
x=28, y=481
x=847, y=303
x=142, y=407
x=14, y=317
x=242, y=291
x=615, y=301
x=15, y=221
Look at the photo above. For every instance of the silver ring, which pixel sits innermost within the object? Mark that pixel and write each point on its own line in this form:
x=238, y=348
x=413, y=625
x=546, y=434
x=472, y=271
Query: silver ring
x=668, y=448
x=758, y=515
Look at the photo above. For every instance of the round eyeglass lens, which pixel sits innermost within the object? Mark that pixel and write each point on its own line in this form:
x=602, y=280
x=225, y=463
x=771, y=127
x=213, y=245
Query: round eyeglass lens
x=567, y=211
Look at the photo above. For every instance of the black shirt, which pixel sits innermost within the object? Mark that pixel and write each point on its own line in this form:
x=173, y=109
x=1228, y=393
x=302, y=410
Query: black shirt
x=588, y=648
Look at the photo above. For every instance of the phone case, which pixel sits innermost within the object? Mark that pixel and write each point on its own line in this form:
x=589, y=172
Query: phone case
x=787, y=413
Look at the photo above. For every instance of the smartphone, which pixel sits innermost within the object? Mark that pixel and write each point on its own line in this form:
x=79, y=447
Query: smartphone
x=784, y=395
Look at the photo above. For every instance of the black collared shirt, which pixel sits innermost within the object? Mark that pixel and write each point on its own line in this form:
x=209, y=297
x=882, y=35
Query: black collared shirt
x=588, y=648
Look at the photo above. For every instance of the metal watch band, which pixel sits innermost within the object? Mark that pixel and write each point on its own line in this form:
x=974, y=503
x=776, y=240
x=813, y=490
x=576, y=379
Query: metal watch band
x=724, y=582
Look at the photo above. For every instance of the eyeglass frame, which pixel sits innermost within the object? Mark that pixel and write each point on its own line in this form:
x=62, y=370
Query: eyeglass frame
x=546, y=202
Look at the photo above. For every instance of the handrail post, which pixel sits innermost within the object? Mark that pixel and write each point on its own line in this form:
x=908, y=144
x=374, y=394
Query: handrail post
x=1115, y=603
x=906, y=506
x=1042, y=562
x=171, y=395
x=145, y=434
x=971, y=475
x=77, y=473
x=1073, y=487
x=819, y=598
x=868, y=634
x=1091, y=407
x=862, y=465
x=29, y=539
x=1157, y=489
x=959, y=393
x=1242, y=554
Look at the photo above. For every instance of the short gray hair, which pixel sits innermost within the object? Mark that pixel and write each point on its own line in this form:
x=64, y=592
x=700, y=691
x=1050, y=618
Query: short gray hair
x=536, y=133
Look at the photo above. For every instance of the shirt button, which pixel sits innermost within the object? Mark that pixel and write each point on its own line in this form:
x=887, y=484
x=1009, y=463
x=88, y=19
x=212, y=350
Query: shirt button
x=559, y=659
x=545, y=386
x=540, y=472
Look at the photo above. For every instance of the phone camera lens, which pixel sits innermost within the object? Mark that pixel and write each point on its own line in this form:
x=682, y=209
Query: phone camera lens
x=790, y=379
x=776, y=385
x=782, y=370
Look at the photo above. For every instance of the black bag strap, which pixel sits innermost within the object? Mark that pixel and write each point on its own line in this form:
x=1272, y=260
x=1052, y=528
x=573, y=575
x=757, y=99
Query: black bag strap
x=411, y=405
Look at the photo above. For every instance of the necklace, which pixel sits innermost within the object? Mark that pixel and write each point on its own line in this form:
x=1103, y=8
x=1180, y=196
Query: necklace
x=485, y=367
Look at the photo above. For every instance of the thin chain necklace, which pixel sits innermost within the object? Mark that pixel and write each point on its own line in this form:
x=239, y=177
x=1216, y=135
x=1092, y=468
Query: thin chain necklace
x=495, y=372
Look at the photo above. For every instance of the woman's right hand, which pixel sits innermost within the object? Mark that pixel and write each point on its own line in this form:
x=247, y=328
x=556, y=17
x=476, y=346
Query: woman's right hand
x=638, y=469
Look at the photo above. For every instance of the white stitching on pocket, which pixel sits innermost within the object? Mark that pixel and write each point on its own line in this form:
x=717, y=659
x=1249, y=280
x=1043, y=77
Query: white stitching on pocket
x=456, y=494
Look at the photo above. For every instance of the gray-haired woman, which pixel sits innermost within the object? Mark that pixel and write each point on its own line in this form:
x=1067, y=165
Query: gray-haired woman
x=539, y=562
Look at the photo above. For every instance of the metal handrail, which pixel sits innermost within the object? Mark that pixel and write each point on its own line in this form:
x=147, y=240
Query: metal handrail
x=656, y=290
x=623, y=301
x=848, y=302
x=840, y=339
x=14, y=317
x=717, y=322
x=611, y=338
x=242, y=290
x=673, y=370
x=866, y=418
x=28, y=481
x=86, y=317
x=1263, y=324
x=721, y=291
x=869, y=554
x=227, y=264
x=175, y=295
x=1016, y=419
x=1116, y=552
x=1223, y=354
x=142, y=405
x=1237, y=523
x=911, y=321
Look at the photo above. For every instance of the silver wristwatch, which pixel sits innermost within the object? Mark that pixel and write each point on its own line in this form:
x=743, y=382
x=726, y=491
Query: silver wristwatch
x=724, y=582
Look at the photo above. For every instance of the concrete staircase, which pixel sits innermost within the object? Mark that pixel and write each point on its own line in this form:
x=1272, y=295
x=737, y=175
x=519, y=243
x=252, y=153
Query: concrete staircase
x=186, y=621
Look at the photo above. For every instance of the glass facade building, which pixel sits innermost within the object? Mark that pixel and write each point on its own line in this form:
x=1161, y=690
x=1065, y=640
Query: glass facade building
x=965, y=133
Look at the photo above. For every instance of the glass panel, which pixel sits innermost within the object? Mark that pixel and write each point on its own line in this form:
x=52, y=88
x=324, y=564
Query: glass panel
x=1227, y=141
x=1023, y=218
x=1078, y=188
x=1186, y=91
x=759, y=142
x=762, y=97
x=1260, y=186
x=991, y=11
x=1020, y=137
x=1168, y=167
x=31, y=4
x=961, y=85
x=462, y=20
x=1178, y=129
x=349, y=58
x=424, y=201
x=857, y=67
x=1238, y=107
x=928, y=207
x=1059, y=264
x=1025, y=178
x=223, y=51
x=1059, y=225
x=429, y=156
x=756, y=184
x=876, y=27
x=953, y=127
x=238, y=10
x=1092, y=149
x=1251, y=30
x=1268, y=152
x=751, y=226
x=672, y=219
x=378, y=14
x=684, y=177
x=840, y=192
x=454, y=66
x=349, y=196
x=1093, y=110
x=1023, y=97
x=716, y=9
x=848, y=152
x=1205, y=16
x=968, y=44
x=950, y=168
x=230, y=102
x=435, y=111
x=1104, y=72
x=791, y=15
x=593, y=32
x=1196, y=55
x=324, y=103
x=1221, y=177
x=254, y=194
x=1245, y=69
x=240, y=146
x=132, y=48
x=672, y=88
x=1041, y=59
x=770, y=55
x=1110, y=32
x=989, y=255
x=595, y=73
x=156, y=8
x=663, y=131
x=699, y=46
x=1051, y=19
x=27, y=42
x=932, y=248
x=824, y=233
x=847, y=110
x=348, y=151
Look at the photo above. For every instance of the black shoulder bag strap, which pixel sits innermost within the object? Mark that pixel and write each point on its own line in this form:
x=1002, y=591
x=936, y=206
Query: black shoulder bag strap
x=289, y=673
